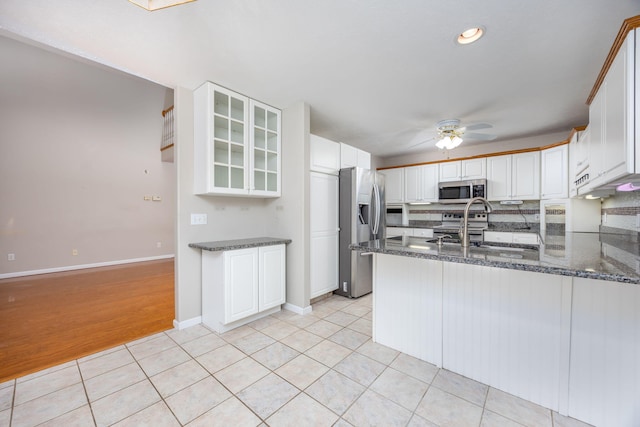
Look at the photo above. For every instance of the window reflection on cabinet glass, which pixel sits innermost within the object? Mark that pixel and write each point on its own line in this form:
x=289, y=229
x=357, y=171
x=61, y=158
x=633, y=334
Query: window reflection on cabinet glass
x=259, y=117
x=221, y=152
x=237, y=132
x=272, y=162
x=272, y=181
x=272, y=121
x=259, y=138
x=272, y=141
x=221, y=128
x=237, y=155
x=237, y=178
x=237, y=109
x=259, y=160
x=221, y=176
x=258, y=180
x=221, y=103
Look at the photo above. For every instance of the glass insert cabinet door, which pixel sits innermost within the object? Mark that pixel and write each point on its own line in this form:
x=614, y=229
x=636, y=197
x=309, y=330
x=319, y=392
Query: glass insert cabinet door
x=230, y=136
x=265, y=135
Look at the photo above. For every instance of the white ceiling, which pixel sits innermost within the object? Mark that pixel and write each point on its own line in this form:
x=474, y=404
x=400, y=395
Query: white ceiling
x=375, y=72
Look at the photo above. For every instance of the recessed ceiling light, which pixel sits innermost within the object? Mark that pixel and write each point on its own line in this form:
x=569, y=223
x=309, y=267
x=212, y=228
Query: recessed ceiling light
x=470, y=35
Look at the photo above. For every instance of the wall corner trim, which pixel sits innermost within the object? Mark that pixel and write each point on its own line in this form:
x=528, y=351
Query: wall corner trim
x=298, y=310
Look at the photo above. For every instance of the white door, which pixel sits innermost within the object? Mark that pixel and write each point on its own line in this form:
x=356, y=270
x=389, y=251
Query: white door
x=240, y=284
x=430, y=183
x=324, y=234
x=413, y=184
x=394, y=185
x=272, y=282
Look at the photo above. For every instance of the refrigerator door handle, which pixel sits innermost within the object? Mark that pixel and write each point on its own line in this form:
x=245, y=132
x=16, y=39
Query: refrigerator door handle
x=376, y=196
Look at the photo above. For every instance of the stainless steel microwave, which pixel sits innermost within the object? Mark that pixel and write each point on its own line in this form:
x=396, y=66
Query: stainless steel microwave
x=461, y=191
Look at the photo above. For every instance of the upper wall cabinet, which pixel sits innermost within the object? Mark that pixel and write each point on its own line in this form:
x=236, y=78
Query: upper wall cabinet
x=463, y=169
x=554, y=174
x=514, y=176
x=421, y=184
x=612, y=120
x=352, y=157
x=325, y=155
x=394, y=185
x=236, y=144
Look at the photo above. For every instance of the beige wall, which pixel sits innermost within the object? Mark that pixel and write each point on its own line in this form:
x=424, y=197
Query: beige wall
x=79, y=150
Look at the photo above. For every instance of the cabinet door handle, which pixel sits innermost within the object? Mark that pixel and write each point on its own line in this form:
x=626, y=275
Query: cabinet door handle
x=366, y=254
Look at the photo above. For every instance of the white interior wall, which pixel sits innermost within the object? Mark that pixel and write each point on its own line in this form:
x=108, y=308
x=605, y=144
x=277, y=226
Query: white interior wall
x=79, y=150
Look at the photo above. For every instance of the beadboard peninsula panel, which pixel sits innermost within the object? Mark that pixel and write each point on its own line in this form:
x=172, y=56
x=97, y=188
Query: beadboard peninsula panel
x=514, y=323
x=407, y=297
x=605, y=353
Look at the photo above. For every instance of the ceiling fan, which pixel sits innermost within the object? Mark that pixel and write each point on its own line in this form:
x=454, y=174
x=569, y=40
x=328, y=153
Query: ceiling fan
x=450, y=134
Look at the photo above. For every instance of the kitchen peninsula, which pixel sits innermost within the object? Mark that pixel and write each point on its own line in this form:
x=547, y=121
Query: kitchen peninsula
x=558, y=326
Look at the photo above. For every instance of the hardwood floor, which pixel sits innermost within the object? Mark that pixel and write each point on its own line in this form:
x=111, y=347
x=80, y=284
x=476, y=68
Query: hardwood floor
x=53, y=318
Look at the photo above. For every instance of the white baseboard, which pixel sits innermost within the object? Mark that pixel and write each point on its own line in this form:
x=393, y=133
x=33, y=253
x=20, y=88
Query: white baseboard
x=186, y=323
x=296, y=309
x=83, y=266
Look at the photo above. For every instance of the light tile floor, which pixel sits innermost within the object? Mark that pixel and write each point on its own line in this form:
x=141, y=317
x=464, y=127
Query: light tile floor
x=320, y=369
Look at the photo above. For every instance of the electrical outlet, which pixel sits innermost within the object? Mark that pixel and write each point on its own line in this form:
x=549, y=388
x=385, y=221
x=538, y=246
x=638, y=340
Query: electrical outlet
x=11, y=257
x=74, y=252
x=637, y=220
x=537, y=217
x=159, y=244
x=198, y=219
x=604, y=218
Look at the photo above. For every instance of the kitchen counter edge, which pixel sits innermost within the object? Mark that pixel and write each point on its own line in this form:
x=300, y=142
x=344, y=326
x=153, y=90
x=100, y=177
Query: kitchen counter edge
x=230, y=245
x=371, y=246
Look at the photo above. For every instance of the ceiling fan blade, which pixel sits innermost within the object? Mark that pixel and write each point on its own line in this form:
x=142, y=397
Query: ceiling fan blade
x=479, y=136
x=424, y=141
x=477, y=126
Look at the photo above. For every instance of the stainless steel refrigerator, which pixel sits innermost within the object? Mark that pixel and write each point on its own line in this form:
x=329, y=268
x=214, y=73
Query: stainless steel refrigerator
x=362, y=218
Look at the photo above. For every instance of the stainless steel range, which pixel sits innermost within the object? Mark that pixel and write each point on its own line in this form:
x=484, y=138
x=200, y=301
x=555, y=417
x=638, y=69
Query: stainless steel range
x=451, y=222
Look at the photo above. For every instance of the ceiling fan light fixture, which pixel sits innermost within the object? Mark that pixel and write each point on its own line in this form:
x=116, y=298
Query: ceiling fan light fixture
x=449, y=142
x=471, y=35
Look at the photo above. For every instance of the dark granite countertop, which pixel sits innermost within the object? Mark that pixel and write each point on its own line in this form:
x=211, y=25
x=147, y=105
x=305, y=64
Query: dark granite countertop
x=588, y=255
x=518, y=227
x=229, y=245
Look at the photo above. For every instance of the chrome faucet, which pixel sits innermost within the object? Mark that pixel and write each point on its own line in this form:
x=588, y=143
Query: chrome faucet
x=464, y=227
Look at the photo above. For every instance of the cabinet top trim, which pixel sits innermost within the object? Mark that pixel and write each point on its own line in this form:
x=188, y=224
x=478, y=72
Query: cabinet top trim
x=499, y=153
x=628, y=25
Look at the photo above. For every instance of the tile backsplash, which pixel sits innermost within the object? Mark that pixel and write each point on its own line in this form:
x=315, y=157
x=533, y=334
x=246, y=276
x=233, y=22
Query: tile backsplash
x=525, y=215
x=621, y=211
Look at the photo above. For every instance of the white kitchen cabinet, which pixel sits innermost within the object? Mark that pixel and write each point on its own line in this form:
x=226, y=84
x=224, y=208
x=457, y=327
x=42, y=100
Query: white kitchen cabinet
x=272, y=279
x=554, y=173
x=394, y=185
x=352, y=157
x=399, y=231
x=514, y=177
x=364, y=159
x=463, y=170
x=612, y=120
x=422, y=232
x=325, y=155
x=421, y=184
x=511, y=237
x=241, y=285
x=578, y=160
x=236, y=144
x=324, y=234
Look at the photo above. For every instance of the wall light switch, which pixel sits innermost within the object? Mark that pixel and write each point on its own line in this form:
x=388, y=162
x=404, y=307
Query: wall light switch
x=198, y=219
x=157, y=198
x=147, y=198
x=11, y=257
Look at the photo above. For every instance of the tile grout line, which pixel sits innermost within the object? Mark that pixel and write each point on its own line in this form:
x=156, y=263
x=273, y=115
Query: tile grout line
x=86, y=394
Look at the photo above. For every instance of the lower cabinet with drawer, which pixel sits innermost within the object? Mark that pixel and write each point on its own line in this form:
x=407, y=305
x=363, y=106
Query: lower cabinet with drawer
x=239, y=286
x=511, y=237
